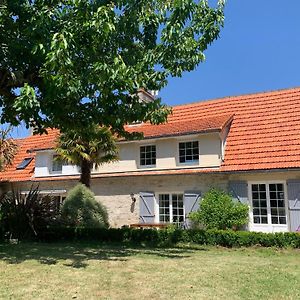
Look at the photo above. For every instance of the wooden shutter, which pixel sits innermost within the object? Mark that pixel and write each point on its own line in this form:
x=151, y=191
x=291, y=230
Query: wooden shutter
x=191, y=203
x=239, y=191
x=147, y=200
x=293, y=187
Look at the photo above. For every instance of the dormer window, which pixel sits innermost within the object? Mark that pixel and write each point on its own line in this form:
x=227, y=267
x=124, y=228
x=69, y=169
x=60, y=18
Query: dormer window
x=148, y=155
x=57, y=164
x=189, y=152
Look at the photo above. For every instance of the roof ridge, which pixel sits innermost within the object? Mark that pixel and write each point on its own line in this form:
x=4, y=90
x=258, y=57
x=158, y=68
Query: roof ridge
x=235, y=97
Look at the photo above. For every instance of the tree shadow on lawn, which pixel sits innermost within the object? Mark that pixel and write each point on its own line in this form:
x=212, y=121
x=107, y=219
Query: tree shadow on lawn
x=78, y=254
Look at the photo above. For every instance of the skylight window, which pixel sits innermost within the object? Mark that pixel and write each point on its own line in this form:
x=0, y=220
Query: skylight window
x=26, y=161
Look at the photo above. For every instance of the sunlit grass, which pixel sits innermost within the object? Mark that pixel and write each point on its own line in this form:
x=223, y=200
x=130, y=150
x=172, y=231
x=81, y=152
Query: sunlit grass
x=94, y=271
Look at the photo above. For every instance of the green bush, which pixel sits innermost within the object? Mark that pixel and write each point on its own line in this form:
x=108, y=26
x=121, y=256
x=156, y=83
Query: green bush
x=219, y=211
x=80, y=209
x=166, y=237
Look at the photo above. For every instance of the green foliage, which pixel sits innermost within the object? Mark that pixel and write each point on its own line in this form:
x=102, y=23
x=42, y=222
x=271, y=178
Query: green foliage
x=22, y=216
x=166, y=237
x=94, y=145
x=80, y=209
x=219, y=211
x=79, y=61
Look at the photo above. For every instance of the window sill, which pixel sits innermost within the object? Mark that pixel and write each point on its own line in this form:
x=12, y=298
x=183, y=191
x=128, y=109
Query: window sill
x=264, y=225
x=190, y=163
x=55, y=173
x=147, y=167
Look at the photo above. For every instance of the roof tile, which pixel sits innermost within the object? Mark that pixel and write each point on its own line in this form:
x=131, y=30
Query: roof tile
x=264, y=134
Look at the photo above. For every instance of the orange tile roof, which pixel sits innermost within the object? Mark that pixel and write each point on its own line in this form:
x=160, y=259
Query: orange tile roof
x=264, y=133
x=24, y=151
x=182, y=126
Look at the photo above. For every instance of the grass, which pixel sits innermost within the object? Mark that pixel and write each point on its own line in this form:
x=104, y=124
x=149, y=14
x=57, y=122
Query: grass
x=95, y=271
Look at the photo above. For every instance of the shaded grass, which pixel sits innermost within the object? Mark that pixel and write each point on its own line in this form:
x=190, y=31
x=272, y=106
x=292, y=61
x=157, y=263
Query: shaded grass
x=99, y=271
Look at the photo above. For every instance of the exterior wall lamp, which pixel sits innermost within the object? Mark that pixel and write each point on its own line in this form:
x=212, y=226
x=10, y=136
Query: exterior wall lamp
x=133, y=197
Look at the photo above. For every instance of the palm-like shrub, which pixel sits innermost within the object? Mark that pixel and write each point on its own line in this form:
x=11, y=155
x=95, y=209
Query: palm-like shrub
x=80, y=209
x=24, y=215
x=8, y=148
x=92, y=146
x=219, y=211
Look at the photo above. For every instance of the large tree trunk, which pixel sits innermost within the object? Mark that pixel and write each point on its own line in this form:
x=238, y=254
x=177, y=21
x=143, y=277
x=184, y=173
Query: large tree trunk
x=85, y=177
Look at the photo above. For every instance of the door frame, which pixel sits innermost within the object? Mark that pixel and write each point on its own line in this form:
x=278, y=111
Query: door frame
x=268, y=227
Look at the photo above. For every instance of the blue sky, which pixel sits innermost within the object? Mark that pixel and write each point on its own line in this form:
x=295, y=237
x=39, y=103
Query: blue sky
x=258, y=50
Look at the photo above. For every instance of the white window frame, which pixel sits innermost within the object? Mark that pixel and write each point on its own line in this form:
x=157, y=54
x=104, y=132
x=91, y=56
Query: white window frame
x=269, y=227
x=156, y=208
x=194, y=162
x=139, y=161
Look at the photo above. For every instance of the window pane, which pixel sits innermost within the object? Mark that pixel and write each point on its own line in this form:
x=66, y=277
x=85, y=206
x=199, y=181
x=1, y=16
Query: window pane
x=164, y=208
x=272, y=187
x=56, y=164
x=189, y=152
x=281, y=212
x=256, y=219
x=259, y=204
x=263, y=211
x=282, y=220
x=274, y=220
x=26, y=161
x=263, y=203
x=264, y=220
x=278, y=215
x=262, y=187
x=256, y=211
x=178, y=212
x=148, y=155
x=262, y=195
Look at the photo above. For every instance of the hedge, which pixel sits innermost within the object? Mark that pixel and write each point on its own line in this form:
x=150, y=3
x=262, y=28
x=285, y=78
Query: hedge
x=225, y=238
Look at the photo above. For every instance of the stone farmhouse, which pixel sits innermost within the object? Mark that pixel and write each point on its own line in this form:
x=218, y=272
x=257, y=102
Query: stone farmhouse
x=248, y=145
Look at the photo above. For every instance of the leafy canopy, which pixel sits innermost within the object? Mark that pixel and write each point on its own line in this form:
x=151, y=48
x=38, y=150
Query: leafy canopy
x=219, y=211
x=67, y=63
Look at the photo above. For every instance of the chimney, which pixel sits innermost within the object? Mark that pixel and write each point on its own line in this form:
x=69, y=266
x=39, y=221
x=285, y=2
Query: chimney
x=146, y=96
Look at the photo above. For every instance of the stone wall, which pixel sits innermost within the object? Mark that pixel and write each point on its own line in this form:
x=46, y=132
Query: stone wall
x=115, y=192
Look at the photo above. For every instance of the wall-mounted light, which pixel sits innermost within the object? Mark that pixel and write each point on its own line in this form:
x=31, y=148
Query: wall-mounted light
x=132, y=197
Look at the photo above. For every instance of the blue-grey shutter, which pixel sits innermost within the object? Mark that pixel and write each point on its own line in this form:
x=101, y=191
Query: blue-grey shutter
x=239, y=191
x=293, y=187
x=191, y=203
x=147, y=214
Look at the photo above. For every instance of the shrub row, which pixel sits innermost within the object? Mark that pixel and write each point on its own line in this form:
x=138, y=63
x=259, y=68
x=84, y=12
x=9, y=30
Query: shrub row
x=225, y=238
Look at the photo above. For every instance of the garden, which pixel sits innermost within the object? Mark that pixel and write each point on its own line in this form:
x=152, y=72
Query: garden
x=70, y=252
x=95, y=270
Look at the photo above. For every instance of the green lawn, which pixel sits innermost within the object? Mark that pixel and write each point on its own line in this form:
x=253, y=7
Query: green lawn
x=94, y=271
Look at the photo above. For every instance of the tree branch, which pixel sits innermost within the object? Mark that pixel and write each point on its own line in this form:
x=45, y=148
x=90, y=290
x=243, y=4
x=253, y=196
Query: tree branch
x=10, y=80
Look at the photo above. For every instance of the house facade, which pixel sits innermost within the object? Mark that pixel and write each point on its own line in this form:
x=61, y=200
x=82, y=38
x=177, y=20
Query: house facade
x=248, y=145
